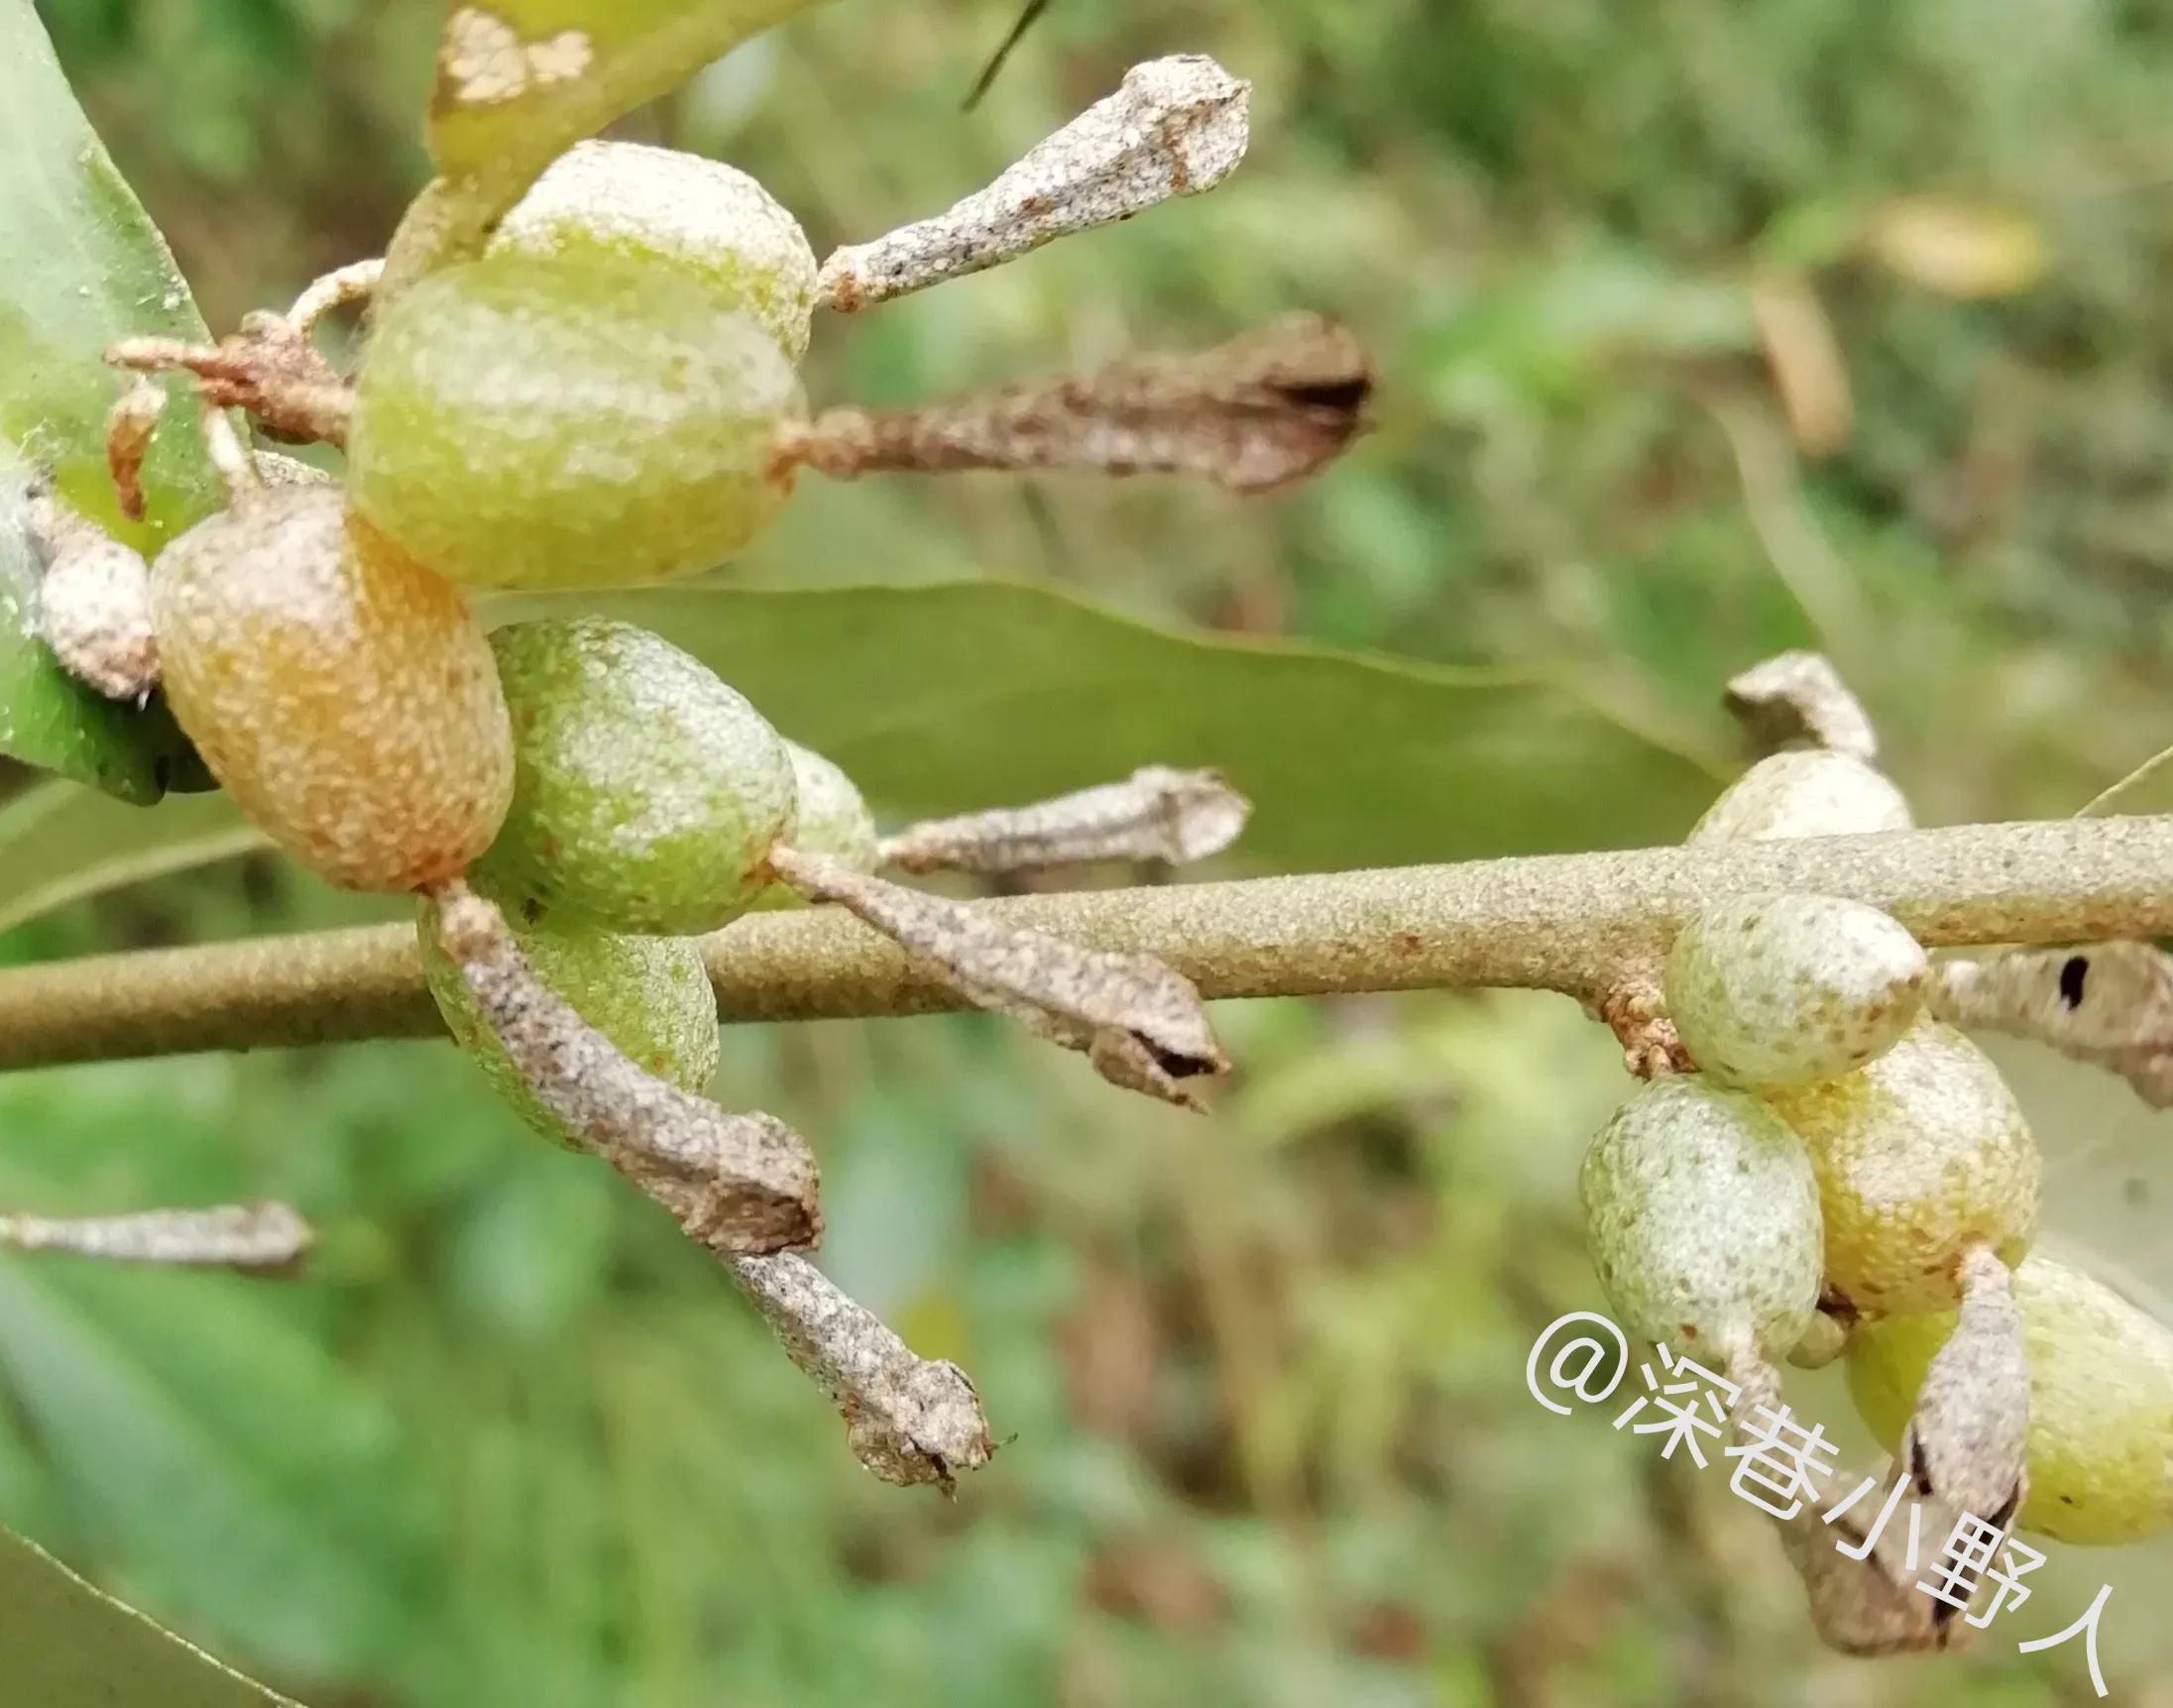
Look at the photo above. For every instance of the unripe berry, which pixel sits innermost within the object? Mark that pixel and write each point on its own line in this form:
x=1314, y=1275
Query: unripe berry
x=1784, y=989
x=1919, y=1155
x=698, y=216
x=832, y=817
x=646, y=794
x=571, y=421
x=649, y=995
x=2100, y=1447
x=1811, y=792
x=1702, y=1218
x=340, y=691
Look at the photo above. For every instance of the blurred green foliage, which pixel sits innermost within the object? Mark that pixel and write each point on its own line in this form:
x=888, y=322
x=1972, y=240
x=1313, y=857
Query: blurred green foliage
x=513, y=1442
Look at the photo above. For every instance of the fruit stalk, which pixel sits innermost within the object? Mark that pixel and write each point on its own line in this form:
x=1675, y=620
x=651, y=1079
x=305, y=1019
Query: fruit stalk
x=1557, y=922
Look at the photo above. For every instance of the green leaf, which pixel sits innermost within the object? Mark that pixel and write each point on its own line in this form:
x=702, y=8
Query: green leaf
x=519, y=82
x=60, y=842
x=70, y=1644
x=942, y=697
x=974, y=692
x=84, y=266
x=175, y=1407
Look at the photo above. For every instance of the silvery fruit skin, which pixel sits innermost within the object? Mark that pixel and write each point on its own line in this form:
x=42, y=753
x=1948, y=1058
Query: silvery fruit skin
x=664, y=208
x=1702, y=1218
x=1782, y=989
x=1813, y=792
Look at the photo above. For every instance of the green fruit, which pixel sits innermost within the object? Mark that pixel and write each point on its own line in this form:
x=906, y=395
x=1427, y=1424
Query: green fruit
x=2101, y=1401
x=1813, y=792
x=1702, y=1218
x=572, y=421
x=833, y=820
x=1919, y=1155
x=649, y=995
x=660, y=206
x=646, y=794
x=1784, y=989
x=342, y=692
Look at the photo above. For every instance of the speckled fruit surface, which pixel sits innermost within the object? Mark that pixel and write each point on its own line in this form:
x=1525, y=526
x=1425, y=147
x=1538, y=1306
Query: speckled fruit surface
x=338, y=690
x=646, y=793
x=1701, y=1216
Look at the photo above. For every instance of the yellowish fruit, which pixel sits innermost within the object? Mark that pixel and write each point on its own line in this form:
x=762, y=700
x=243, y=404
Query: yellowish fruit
x=340, y=691
x=1919, y=1155
x=2100, y=1395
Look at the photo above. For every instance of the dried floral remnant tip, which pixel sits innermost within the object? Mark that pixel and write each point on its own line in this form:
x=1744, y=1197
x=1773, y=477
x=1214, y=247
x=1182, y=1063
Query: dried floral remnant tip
x=2109, y=1003
x=1799, y=700
x=736, y=1183
x=94, y=603
x=1156, y=814
x=1177, y=127
x=259, y=1236
x=1635, y=1009
x=1963, y=1445
x=1140, y=1024
x=910, y=1419
x=1264, y=409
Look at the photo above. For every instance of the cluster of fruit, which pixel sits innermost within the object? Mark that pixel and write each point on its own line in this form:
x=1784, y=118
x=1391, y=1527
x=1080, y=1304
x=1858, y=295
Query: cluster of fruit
x=1844, y=1173
x=607, y=394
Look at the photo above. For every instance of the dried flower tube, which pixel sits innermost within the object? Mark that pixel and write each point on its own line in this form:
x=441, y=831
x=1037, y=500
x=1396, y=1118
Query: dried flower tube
x=1139, y=1023
x=257, y=1236
x=1260, y=411
x=1156, y=814
x=910, y=1419
x=1963, y=1445
x=738, y=1183
x=1799, y=700
x=2108, y=1003
x=1176, y=127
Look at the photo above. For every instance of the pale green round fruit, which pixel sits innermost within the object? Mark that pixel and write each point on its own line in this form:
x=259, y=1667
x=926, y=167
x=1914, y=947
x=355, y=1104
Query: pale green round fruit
x=833, y=820
x=646, y=793
x=2100, y=1448
x=1702, y=1218
x=1919, y=1155
x=649, y=995
x=1782, y=989
x=700, y=217
x=1813, y=792
x=568, y=422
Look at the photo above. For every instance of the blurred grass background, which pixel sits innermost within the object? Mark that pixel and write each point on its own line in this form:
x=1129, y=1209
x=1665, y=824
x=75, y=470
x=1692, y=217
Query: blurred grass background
x=1705, y=332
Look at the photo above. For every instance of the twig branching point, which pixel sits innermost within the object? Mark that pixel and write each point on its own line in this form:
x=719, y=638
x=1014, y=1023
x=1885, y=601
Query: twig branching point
x=1176, y=127
x=1156, y=814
